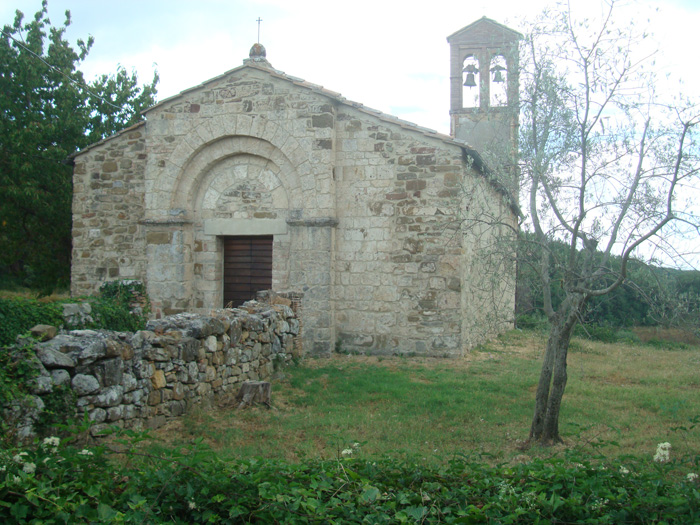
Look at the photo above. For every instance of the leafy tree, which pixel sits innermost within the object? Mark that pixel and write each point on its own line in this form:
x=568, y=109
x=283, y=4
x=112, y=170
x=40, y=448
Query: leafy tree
x=49, y=112
x=604, y=163
x=631, y=304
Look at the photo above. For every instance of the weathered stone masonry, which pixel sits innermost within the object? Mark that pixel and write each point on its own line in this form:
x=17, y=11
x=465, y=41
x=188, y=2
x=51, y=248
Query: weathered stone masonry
x=144, y=379
x=371, y=217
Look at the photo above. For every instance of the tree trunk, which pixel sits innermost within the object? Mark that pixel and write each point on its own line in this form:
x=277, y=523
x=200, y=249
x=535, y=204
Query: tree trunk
x=553, y=376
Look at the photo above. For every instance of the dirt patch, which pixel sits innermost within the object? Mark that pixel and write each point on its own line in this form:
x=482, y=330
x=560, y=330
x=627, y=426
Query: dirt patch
x=674, y=335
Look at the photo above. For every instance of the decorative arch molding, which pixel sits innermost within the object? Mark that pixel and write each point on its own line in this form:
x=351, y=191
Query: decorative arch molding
x=189, y=182
x=207, y=140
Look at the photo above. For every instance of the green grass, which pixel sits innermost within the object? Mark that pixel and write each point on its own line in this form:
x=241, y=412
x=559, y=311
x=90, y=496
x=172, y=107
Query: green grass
x=631, y=395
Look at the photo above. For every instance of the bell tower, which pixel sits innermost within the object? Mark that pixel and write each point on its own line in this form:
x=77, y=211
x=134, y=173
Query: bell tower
x=484, y=92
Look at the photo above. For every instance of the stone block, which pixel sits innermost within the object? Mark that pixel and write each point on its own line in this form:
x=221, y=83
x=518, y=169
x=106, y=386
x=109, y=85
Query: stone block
x=154, y=397
x=158, y=379
x=159, y=237
x=84, y=384
x=53, y=358
x=178, y=391
x=97, y=415
x=41, y=385
x=115, y=413
x=111, y=371
x=44, y=332
x=110, y=396
x=60, y=377
x=155, y=422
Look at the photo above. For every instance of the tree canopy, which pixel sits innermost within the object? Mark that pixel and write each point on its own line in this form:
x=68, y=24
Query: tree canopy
x=49, y=112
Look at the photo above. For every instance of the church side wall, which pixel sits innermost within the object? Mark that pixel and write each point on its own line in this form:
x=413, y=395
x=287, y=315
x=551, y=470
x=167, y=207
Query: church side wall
x=489, y=273
x=108, y=203
x=399, y=252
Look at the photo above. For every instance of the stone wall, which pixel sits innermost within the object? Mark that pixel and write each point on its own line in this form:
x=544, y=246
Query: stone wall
x=142, y=380
x=108, y=202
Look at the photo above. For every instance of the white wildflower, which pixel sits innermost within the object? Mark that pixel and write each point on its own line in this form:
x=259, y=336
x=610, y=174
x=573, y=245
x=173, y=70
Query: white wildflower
x=85, y=452
x=663, y=452
x=623, y=470
x=51, y=442
x=29, y=468
x=355, y=445
x=16, y=479
x=17, y=458
x=3, y=468
x=600, y=504
x=192, y=504
x=347, y=452
x=692, y=476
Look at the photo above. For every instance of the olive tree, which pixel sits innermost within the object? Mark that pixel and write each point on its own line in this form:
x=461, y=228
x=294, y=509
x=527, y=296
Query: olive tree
x=607, y=167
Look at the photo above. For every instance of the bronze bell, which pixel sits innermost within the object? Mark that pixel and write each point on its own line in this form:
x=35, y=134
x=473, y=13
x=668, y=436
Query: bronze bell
x=470, y=69
x=497, y=74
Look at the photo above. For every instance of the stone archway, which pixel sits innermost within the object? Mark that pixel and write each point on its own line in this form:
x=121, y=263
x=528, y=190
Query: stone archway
x=234, y=187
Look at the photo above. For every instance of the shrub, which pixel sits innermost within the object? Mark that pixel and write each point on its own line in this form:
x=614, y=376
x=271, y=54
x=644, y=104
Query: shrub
x=532, y=322
x=122, y=306
x=57, y=483
x=602, y=333
x=628, y=337
x=18, y=315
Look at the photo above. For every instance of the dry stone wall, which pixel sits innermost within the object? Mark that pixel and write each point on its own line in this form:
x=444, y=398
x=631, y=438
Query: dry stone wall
x=143, y=379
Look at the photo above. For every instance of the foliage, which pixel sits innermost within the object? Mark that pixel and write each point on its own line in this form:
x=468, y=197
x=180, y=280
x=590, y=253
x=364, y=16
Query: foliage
x=531, y=322
x=650, y=295
x=18, y=315
x=122, y=306
x=49, y=112
x=116, y=102
x=17, y=368
x=55, y=483
x=59, y=410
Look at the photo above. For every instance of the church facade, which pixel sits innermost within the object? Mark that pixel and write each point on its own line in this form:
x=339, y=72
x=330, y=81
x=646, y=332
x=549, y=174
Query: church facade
x=259, y=180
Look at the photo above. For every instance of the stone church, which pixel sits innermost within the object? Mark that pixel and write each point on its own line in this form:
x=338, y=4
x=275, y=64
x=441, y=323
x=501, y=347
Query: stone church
x=258, y=180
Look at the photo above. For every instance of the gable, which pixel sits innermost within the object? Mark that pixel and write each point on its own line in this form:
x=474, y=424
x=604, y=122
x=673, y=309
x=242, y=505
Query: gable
x=484, y=32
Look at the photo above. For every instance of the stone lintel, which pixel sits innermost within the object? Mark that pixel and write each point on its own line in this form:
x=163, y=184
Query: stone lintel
x=245, y=227
x=318, y=222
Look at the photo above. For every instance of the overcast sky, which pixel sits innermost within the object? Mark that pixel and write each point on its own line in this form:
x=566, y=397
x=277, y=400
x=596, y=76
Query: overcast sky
x=391, y=55
x=384, y=54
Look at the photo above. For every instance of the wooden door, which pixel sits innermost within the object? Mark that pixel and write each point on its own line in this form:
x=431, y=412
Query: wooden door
x=247, y=268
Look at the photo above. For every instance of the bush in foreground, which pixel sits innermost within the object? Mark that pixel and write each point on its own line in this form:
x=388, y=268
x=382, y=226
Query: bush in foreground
x=54, y=483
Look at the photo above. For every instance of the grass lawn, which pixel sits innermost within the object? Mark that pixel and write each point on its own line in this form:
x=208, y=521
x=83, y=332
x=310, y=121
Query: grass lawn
x=627, y=397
